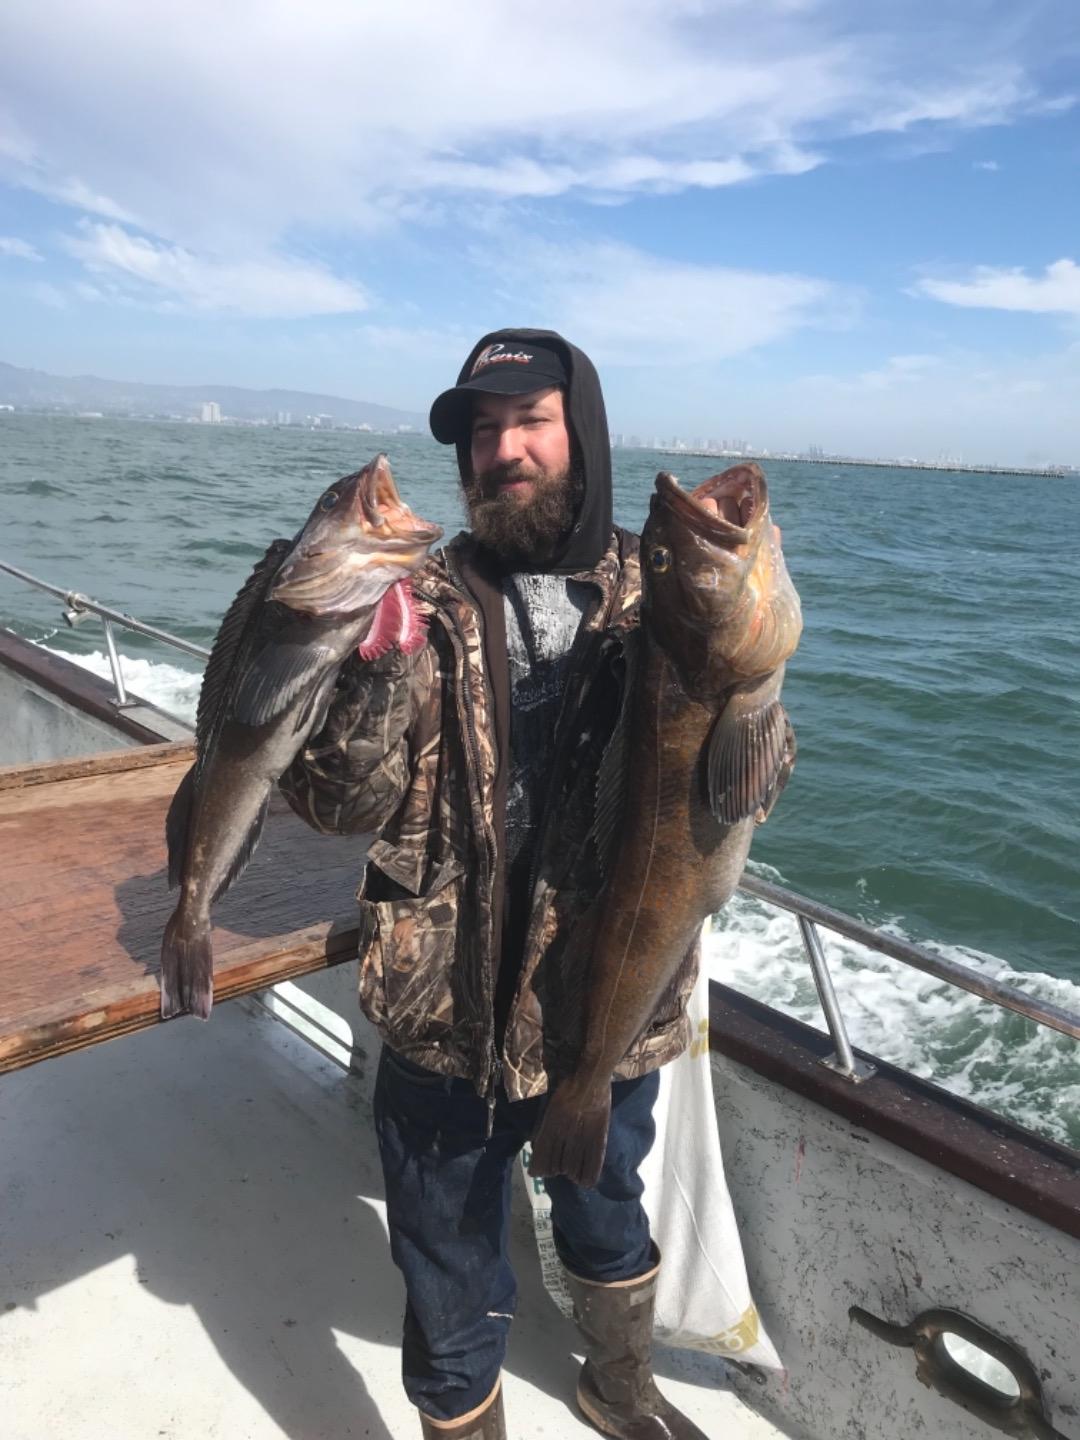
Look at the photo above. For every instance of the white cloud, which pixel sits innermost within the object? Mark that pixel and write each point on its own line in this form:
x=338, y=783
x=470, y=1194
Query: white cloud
x=1017, y=411
x=897, y=370
x=15, y=249
x=969, y=103
x=521, y=177
x=1055, y=292
x=217, y=125
x=47, y=294
x=627, y=307
x=21, y=164
x=629, y=310
x=440, y=346
x=986, y=165
x=895, y=373
x=257, y=286
x=70, y=190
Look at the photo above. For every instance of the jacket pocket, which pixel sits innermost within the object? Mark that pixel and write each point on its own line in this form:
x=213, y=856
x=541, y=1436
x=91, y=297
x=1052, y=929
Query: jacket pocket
x=407, y=954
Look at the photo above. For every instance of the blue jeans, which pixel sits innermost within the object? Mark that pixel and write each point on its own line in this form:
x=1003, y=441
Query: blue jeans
x=448, y=1210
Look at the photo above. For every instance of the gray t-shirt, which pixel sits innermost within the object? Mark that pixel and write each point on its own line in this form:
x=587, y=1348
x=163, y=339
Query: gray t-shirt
x=543, y=613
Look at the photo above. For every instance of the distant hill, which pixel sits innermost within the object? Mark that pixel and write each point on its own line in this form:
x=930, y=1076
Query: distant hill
x=35, y=390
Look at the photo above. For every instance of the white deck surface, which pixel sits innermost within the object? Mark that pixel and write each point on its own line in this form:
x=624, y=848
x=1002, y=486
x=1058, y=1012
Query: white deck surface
x=192, y=1244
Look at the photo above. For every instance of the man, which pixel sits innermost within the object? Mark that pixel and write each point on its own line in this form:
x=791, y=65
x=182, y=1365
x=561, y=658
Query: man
x=474, y=762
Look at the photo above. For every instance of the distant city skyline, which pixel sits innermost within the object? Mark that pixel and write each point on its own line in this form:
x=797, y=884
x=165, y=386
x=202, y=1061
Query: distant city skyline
x=817, y=455
x=210, y=412
x=260, y=408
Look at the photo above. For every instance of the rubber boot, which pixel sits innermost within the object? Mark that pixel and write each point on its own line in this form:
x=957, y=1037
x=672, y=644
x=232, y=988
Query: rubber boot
x=616, y=1391
x=486, y=1422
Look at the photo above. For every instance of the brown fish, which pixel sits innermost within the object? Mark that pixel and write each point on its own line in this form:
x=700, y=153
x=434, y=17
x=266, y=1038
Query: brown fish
x=340, y=585
x=708, y=746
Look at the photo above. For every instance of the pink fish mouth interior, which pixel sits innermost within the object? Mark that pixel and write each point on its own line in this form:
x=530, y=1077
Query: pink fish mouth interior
x=740, y=496
x=384, y=511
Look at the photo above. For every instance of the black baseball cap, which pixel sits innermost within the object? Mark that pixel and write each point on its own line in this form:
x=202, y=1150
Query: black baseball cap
x=503, y=368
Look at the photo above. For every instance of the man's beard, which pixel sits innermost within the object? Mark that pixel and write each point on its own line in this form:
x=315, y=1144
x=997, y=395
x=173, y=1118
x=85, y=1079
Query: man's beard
x=524, y=536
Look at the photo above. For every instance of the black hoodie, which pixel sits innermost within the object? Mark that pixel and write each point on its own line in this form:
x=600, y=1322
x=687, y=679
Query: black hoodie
x=584, y=549
x=586, y=421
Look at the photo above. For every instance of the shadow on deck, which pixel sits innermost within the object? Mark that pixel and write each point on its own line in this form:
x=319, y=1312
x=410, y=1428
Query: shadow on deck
x=193, y=1245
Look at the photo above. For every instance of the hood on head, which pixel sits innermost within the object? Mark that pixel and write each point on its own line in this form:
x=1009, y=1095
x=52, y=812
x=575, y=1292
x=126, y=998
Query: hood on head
x=590, y=445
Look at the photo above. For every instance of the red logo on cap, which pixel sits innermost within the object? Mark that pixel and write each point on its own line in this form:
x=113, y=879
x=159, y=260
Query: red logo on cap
x=499, y=355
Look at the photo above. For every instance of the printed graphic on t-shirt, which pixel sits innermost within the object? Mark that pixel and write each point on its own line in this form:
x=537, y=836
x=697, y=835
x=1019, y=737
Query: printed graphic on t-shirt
x=542, y=617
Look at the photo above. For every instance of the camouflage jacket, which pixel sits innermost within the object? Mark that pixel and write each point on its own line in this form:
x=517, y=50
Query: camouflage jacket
x=413, y=750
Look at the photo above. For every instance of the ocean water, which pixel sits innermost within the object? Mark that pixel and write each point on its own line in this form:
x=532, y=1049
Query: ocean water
x=935, y=695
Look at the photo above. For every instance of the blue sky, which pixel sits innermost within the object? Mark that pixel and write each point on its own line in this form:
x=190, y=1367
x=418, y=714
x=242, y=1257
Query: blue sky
x=795, y=221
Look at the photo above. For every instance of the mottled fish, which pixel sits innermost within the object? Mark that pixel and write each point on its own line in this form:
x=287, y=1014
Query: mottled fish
x=342, y=584
x=708, y=746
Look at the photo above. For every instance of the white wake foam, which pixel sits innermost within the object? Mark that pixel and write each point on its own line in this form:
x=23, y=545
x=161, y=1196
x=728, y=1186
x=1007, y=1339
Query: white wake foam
x=924, y=1025
x=174, y=690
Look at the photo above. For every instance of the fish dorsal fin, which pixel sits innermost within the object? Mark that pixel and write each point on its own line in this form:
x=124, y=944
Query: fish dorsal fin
x=611, y=779
x=274, y=677
x=751, y=754
x=231, y=647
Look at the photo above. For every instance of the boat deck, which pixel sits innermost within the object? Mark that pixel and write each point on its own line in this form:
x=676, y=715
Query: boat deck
x=82, y=853
x=192, y=1244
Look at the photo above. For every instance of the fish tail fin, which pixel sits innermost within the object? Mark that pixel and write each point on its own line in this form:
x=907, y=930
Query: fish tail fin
x=187, y=966
x=572, y=1138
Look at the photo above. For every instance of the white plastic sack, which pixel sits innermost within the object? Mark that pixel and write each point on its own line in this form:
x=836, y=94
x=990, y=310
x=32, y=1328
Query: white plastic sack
x=703, y=1298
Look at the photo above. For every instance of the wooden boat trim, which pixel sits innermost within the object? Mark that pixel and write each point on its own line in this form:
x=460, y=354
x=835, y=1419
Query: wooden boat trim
x=251, y=969
x=104, y=762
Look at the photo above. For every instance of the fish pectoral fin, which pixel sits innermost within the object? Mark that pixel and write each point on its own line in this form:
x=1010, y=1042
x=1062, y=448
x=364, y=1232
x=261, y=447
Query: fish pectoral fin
x=176, y=826
x=273, y=679
x=311, y=715
x=751, y=753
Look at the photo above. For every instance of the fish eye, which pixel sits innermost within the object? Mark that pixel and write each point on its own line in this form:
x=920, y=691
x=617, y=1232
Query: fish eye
x=329, y=500
x=660, y=559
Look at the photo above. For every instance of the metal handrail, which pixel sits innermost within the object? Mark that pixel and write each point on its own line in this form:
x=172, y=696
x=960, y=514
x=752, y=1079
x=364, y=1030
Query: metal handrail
x=844, y=1061
x=79, y=606
x=809, y=913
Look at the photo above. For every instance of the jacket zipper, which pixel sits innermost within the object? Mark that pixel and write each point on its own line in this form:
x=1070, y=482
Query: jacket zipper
x=585, y=643
x=479, y=818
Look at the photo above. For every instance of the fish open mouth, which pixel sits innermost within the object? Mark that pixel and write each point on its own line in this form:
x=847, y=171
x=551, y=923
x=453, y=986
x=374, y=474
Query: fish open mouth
x=367, y=539
x=741, y=497
x=386, y=514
